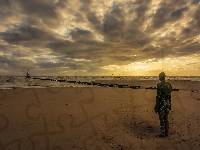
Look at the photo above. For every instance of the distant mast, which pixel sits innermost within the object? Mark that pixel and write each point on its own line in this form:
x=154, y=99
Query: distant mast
x=27, y=74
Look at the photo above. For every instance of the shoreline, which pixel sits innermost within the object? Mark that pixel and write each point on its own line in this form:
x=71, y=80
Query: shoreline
x=134, y=84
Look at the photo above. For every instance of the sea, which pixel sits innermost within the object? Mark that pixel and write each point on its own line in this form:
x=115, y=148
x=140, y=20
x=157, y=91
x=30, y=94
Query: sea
x=12, y=82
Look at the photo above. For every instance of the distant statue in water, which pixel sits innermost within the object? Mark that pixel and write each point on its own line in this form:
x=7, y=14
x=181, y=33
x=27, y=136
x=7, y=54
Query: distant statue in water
x=163, y=104
x=28, y=75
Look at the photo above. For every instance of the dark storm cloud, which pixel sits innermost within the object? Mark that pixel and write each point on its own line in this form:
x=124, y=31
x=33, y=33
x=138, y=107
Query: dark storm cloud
x=92, y=17
x=178, y=13
x=59, y=46
x=14, y=63
x=79, y=18
x=35, y=7
x=86, y=2
x=76, y=66
x=88, y=35
x=3, y=48
x=188, y=49
x=148, y=49
x=79, y=49
x=95, y=21
x=115, y=17
x=29, y=36
x=5, y=3
x=91, y=68
x=50, y=65
x=195, y=1
x=136, y=38
x=113, y=24
x=166, y=14
x=15, y=38
x=11, y=51
x=140, y=11
x=160, y=53
x=39, y=9
x=85, y=5
x=126, y=59
x=161, y=17
x=78, y=34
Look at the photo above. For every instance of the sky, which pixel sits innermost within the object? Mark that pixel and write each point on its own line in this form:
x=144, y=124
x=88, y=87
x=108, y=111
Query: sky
x=100, y=37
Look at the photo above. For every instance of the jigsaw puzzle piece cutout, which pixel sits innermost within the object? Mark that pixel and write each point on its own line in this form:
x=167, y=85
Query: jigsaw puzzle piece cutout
x=46, y=108
x=3, y=95
x=88, y=99
x=18, y=91
x=4, y=122
x=13, y=130
x=93, y=142
x=65, y=135
x=48, y=127
x=12, y=145
x=54, y=90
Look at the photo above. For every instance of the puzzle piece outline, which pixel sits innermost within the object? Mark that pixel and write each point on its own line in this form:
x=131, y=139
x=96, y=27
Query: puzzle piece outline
x=72, y=125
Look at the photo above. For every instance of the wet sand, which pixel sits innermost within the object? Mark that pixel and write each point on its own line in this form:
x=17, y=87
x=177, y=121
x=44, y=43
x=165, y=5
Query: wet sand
x=95, y=118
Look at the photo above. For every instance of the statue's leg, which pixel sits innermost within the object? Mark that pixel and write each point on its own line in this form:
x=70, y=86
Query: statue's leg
x=166, y=122
x=162, y=121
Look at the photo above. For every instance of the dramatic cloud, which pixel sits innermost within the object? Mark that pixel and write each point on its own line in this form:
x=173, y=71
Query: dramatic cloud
x=96, y=37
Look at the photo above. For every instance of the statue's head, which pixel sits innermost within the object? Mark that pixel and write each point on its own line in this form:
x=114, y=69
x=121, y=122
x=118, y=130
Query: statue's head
x=162, y=76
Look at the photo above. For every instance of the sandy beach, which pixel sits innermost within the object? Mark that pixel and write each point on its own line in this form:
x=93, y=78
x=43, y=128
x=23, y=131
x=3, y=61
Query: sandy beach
x=94, y=118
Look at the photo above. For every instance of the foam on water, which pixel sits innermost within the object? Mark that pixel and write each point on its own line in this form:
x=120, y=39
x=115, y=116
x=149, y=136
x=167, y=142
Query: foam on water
x=10, y=82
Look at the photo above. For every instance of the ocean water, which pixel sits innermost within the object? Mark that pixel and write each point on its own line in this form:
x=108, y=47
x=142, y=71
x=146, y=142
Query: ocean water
x=10, y=82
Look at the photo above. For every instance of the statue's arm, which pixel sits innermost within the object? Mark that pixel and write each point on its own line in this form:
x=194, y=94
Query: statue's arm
x=170, y=104
x=157, y=98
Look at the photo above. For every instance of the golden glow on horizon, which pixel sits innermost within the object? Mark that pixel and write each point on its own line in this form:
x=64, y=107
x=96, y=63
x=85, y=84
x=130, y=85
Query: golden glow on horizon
x=171, y=65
